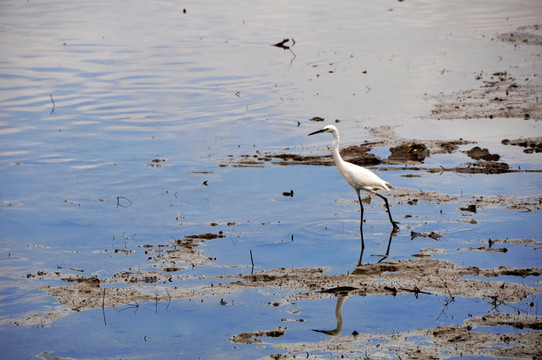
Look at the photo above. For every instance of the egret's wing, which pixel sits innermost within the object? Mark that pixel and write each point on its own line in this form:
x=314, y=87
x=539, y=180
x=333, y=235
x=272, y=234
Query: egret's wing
x=362, y=179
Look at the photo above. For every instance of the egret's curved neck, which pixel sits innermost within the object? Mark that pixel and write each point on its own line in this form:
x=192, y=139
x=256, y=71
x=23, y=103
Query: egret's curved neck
x=335, y=149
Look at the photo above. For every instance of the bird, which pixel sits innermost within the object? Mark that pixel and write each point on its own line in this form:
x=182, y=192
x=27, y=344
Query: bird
x=359, y=178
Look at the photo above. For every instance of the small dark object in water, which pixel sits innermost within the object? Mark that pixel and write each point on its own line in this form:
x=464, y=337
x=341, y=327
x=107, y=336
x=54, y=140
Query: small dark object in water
x=433, y=235
x=282, y=44
x=471, y=208
x=478, y=153
x=290, y=194
x=413, y=147
x=408, y=152
x=340, y=290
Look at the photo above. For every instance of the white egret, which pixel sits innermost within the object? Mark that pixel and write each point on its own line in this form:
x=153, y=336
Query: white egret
x=358, y=177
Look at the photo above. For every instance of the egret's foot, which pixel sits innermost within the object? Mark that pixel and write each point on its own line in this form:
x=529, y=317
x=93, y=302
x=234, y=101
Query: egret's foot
x=383, y=258
x=395, y=226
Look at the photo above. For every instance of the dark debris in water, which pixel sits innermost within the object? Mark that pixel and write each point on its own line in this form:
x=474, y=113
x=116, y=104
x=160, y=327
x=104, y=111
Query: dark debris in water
x=523, y=35
x=478, y=153
x=469, y=208
x=531, y=145
x=409, y=153
x=433, y=235
x=317, y=119
x=206, y=236
x=252, y=337
x=156, y=163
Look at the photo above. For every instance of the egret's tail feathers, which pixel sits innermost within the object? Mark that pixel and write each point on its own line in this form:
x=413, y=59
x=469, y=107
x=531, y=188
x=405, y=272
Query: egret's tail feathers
x=388, y=185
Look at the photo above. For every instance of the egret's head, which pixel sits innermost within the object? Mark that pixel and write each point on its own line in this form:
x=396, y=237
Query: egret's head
x=329, y=128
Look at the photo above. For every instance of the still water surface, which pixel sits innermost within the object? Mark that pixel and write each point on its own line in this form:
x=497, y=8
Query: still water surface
x=91, y=93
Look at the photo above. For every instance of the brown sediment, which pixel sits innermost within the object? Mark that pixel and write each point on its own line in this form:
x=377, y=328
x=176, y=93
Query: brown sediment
x=421, y=276
x=531, y=145
x=408, y=155
x=500, y=95
x=469, y=339
x=252, y=337
x=524, y=35
x=437, y=277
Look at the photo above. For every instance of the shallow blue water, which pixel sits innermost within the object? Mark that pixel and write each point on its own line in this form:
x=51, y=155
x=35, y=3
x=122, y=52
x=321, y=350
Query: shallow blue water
x=92, y=93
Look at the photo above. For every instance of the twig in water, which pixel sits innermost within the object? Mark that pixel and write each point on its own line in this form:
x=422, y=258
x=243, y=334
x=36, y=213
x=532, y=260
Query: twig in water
x=448, y=301
x=129, y=306
x=129, y=237
x=416, y=291
x=169, y=299
x=53, y=109
x=251, y=260
x=232, y=230
x=123, y=205
x=452, y=298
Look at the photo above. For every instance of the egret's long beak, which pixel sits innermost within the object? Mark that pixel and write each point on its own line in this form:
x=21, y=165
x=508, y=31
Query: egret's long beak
x=317, y=132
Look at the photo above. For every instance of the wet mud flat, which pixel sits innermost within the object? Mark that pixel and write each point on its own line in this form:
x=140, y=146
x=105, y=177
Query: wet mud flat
x=420, y=276
x=512, y=329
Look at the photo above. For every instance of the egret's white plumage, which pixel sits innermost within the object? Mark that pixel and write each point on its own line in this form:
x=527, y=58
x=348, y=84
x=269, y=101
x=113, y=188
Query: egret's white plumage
x=357, y=177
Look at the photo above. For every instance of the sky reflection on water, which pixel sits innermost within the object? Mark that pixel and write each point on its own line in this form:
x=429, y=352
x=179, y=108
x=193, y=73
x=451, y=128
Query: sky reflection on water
x=92, y=93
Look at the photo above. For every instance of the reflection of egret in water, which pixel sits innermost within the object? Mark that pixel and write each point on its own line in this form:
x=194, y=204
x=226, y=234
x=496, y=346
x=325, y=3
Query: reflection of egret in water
x=358, y=178
x=385, y=256
x=342, y=294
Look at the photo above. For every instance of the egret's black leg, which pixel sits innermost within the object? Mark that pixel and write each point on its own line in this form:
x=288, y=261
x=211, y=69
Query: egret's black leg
x=361, y=228
x=394, y=223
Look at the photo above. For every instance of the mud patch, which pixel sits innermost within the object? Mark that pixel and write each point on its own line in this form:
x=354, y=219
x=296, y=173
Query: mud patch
x=531, y=145
x=471, y=202
x=470, y=339
x=477, y=153
x=436, y=277
x=252, y=337
x=529, y=35
x=357, y=154
x=500, y=95
x=181, y=254
x=409, y=152
x=419, y=276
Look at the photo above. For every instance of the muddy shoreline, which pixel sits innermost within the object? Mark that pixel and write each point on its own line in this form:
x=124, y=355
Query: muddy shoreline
x=420, y=276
